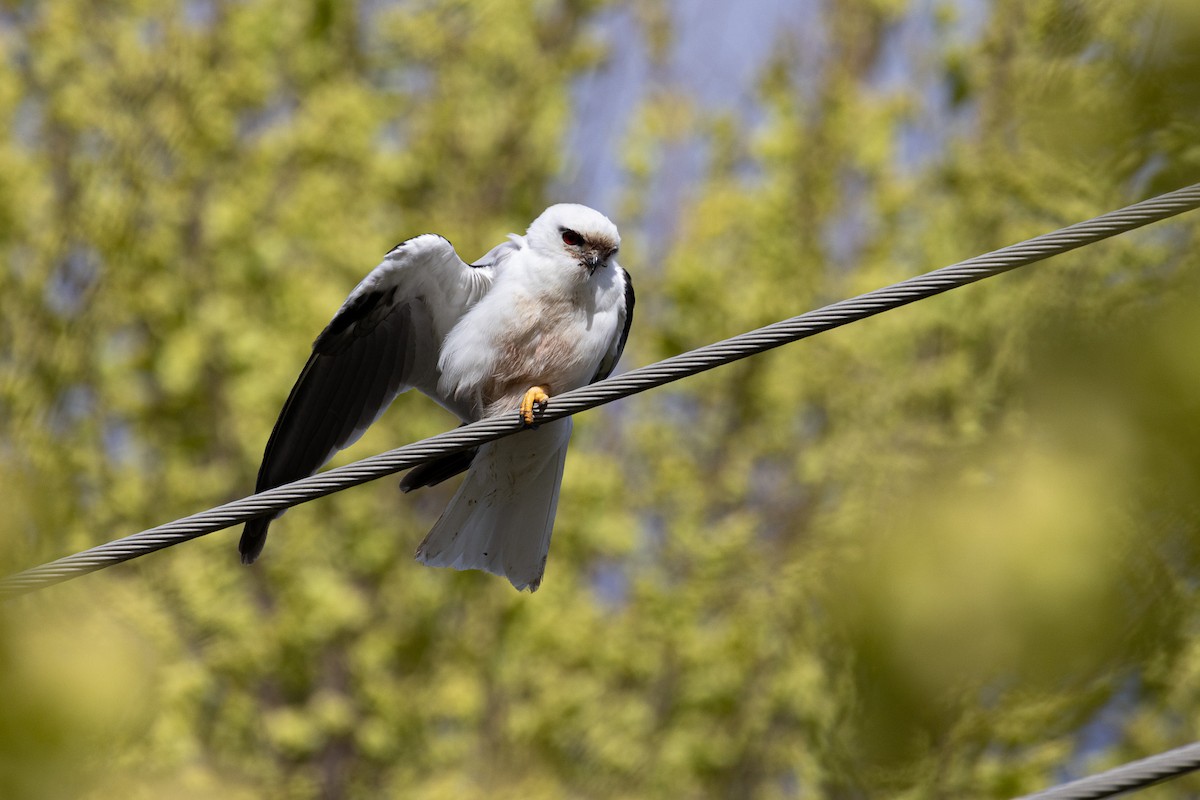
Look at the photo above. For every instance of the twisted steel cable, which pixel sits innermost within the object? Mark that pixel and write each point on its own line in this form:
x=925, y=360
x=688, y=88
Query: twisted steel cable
x=1129, y=777
x=632, y=382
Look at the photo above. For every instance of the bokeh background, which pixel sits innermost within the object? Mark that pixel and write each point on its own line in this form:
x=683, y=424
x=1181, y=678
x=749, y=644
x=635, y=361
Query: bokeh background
x=951, y=552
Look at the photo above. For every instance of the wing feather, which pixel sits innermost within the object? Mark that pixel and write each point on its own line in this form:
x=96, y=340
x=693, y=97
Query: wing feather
x=617, y=347
x=383, y=340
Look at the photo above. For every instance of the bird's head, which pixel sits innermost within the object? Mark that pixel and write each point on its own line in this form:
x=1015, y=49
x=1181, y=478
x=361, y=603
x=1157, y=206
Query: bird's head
x=578, y=233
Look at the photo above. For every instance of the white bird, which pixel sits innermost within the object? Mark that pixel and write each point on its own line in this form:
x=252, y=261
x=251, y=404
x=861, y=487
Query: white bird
x=540, y=314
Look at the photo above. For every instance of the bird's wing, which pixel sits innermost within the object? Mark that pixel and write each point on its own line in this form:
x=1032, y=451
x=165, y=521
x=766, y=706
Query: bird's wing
x=625, y=321
x=382, y=341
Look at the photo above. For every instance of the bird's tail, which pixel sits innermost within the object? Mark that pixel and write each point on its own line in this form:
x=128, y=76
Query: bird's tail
x=501, y=518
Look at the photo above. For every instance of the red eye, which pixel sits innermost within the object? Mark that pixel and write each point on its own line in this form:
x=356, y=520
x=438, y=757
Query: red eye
x=571, y=237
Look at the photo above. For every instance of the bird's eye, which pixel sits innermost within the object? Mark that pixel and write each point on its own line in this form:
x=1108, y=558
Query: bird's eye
x=571, y=237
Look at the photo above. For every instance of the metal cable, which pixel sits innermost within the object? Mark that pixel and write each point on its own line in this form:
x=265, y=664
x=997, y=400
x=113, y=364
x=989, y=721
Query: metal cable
x=1129, y=777
x=632, y=382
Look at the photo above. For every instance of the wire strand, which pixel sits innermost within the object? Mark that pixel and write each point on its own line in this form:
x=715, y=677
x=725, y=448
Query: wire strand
x=632, y=382
x=1129, y=777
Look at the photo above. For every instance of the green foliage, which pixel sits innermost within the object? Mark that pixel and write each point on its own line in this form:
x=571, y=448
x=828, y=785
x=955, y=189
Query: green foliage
x=914, y=557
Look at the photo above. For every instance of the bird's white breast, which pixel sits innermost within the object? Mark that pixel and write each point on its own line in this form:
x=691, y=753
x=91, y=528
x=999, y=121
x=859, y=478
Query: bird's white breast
x=528, y=331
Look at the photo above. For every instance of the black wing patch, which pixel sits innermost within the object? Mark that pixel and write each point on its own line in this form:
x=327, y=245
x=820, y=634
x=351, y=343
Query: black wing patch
x=363, y=313
x=630, y=299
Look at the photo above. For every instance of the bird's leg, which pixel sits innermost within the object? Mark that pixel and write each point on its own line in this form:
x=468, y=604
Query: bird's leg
x=536, y=396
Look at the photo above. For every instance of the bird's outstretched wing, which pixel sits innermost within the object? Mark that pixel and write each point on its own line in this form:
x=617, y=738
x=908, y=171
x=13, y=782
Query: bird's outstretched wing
x=382, y=341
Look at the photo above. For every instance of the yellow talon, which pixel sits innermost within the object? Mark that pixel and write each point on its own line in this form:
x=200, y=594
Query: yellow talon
x=536, y=396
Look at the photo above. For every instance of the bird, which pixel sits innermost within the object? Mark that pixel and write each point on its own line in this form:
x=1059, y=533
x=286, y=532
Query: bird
x=538, y=315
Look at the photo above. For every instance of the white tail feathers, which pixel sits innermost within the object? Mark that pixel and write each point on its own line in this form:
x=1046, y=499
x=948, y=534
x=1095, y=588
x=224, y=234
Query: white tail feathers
x=501, y=518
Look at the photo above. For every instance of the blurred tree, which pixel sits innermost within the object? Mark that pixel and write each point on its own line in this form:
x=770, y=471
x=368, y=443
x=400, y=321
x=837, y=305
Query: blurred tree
x=970, y=511
x=926, y=555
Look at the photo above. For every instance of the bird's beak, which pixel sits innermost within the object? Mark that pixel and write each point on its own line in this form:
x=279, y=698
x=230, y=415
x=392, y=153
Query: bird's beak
x=591, y=260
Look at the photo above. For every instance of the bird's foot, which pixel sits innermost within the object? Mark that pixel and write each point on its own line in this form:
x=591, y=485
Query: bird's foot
x=535, y=398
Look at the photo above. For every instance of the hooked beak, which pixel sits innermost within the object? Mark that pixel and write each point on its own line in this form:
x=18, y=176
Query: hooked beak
x=595, y=257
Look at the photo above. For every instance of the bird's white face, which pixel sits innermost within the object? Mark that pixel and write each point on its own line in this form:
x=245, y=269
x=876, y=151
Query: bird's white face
x=576, y=235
